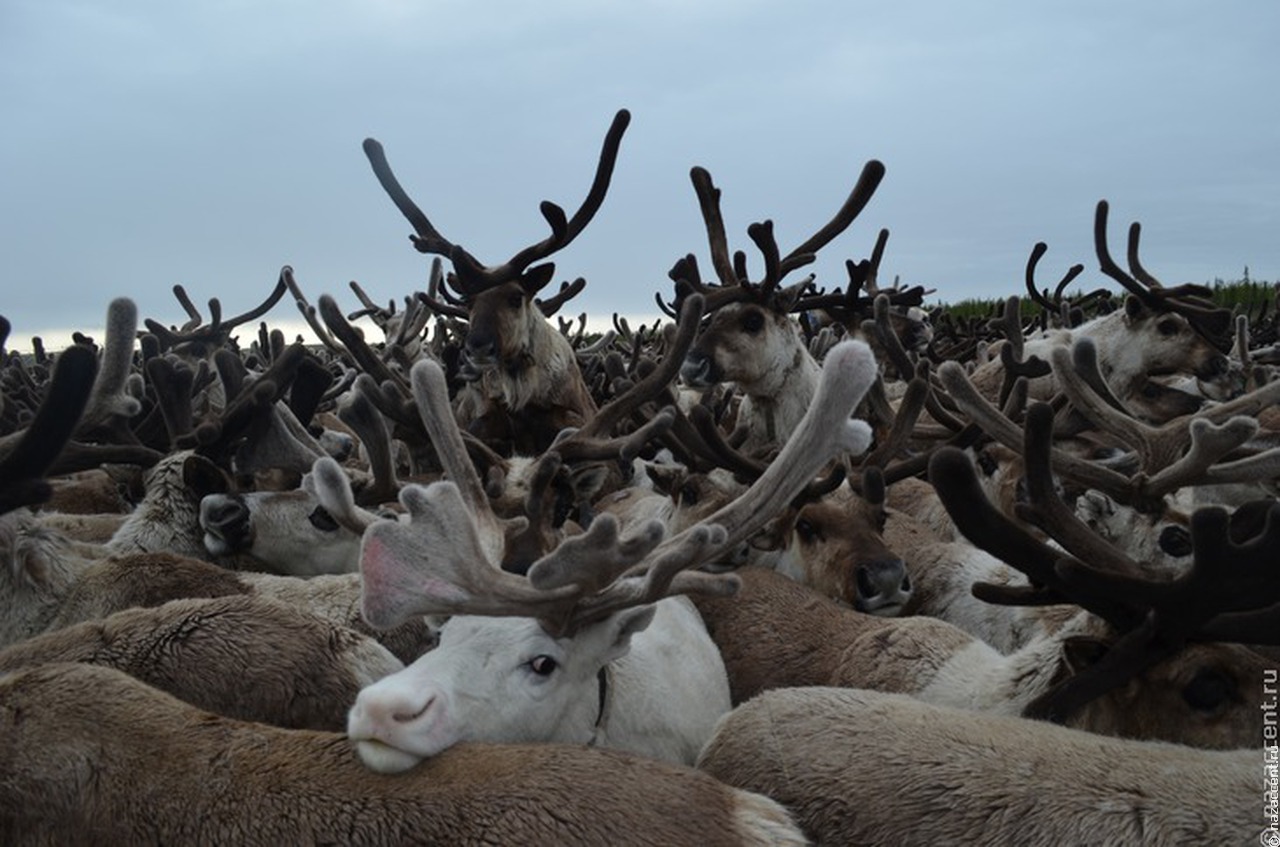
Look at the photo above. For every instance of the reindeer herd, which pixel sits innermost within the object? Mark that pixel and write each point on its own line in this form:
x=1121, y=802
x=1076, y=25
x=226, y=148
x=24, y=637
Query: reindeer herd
x=802, y=563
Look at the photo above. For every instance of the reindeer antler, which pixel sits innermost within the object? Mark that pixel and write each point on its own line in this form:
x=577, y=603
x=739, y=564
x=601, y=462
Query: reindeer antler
x=472, y=277
x=731, y=270
x=439, y=562
x=216, y=333
x=1230, y=587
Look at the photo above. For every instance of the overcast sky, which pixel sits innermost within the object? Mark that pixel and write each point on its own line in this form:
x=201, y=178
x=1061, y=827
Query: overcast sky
x=151, y=143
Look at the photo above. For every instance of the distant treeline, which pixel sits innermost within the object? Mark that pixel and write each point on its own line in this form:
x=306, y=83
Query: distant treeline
x=1243, y=295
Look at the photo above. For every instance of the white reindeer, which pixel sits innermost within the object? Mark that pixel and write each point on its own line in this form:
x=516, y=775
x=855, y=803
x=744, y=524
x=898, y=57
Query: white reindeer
x=525, y=679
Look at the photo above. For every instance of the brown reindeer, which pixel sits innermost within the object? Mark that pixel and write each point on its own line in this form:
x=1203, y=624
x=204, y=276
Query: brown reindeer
x=515, y=362
x=751, y=338
x=131, y=764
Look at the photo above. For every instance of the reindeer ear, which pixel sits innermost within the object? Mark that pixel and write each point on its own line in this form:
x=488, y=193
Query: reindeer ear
x=773, y=534
x=622, y=625
x=666, y=478
x=203, y=476
x=1080, y=652
x=1135, y=308
x=536, y=278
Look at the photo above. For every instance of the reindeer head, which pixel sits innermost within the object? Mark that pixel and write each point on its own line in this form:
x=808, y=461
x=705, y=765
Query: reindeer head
x=750, y=337
x=1158, y=627
x=499, y=300
x=1177, y=329
x=598, y=586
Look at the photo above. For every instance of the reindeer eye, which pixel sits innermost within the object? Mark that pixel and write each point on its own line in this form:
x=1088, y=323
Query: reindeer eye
x=1168, y=326
x=1208, y=691
x=807, y=531
x=515, y=301
x=987, y=464
x=543, y=665
x=688, y=494
x=322, y=520
x=1175, y=541
x=753, y=322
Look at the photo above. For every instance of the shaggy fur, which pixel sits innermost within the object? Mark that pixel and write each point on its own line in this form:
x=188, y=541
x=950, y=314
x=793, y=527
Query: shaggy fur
x=132, y=765
x=862, y=767
x=240, y=656
x=775, y=633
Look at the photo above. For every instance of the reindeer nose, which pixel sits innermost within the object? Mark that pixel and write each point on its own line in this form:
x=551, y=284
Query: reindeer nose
x=481, y=348
x=227, y=524
x=882, y=586
x=696, y=370
x=225, y=516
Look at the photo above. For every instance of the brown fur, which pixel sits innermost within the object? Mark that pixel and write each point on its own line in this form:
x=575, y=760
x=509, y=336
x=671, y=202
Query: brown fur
x=130, y=765
x=149, y=579
x=240, y=656
x=531, y=386
x=861, y=767
x=775, y=633
x=87, y=493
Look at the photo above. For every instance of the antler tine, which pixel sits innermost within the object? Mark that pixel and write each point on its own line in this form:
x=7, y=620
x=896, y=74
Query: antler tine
x=1209, y=443
x=1047, y=510
x=355, y=344
x=568, y=290
x=440, y=562
x=904, y=421
x=360, y=413
x=717, y=450
x=1108, y=264
x=617, y=410
x=371, y=308
x=995, y=424
x=25, y=457
x=193, y=314
x=437, y=298
x=1209, y=321
x=414, y=320
x=109, y=403
x=1240, y=346
x=309, y=312
x=562, y=232
x=426, y=238
x=1040, y=298
x=871, y=282
x=884, y=332
x=709, y=204
x=1084, y=361
x=1078, y=389
x=762, y=235
x=1135, y=266
x=431, y=394
x=256, y=312
x=868, y=182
